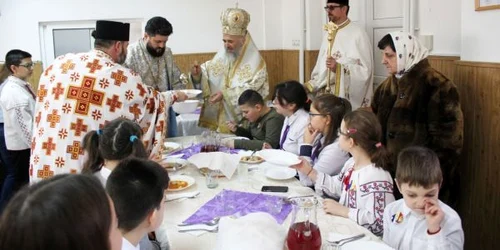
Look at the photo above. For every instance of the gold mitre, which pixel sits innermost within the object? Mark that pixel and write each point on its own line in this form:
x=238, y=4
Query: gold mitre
x=235, y=21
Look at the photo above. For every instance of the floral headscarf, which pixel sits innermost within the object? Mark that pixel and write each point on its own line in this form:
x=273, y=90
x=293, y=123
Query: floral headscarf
x=409, y=51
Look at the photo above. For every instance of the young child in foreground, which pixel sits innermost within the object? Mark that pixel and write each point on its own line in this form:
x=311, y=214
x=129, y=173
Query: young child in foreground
x=420, y=220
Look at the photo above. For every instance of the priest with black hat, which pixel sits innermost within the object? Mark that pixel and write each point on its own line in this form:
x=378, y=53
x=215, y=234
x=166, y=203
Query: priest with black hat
x=350, y=61
x=79, y=93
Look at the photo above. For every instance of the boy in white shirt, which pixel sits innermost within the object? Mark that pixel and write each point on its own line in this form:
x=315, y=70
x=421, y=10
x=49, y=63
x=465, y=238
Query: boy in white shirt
x=420, y=220
x=137, y=188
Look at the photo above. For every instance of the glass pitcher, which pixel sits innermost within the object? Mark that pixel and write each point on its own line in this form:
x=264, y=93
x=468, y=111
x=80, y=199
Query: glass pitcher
x=210, y=141
x=304, y=232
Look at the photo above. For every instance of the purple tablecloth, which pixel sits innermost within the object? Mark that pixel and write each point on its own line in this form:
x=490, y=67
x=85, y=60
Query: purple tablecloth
x=229, y=202
x=196, y=148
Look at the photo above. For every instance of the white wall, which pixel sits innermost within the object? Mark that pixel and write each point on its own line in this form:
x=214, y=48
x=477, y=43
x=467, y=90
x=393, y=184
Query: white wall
x=442, y=20
x=480, y=34
x=196, y=23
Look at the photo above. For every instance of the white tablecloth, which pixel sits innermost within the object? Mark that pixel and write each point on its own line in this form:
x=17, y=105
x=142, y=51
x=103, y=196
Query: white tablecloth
x=178, y=211
x=187, y=124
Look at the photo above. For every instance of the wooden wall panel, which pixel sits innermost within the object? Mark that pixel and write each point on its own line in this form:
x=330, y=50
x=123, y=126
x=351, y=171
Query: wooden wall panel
x=35, y=77
x=479, y=87
x=274, y=63
x=309, y=62
x=444, y=64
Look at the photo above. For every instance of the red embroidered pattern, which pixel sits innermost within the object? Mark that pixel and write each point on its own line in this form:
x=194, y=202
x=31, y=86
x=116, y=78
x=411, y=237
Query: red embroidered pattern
x=85, y=95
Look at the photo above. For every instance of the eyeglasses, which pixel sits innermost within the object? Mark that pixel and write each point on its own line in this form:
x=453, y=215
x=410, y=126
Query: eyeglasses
x=332, y=7
x=348, y=133
x=339, y=132
x=312, y=114
x=27, y=65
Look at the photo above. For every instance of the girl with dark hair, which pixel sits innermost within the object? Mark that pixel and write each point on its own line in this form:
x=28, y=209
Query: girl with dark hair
x=321, y=147
x=364, y=185
x=290, y=100
x=118, y=140
x=63, y=212
x=17, y=102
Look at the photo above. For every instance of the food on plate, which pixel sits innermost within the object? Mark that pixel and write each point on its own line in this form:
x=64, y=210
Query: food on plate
x=204, y=171
x=252, y=159
x=171, y=165
x=177, y=184
x=166, y=150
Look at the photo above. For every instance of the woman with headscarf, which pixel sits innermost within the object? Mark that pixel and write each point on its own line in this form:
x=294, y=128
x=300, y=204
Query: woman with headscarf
x=419, y=106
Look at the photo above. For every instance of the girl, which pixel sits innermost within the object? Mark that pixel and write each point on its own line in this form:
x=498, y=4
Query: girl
x=290, y=100
x=364, y=185
x=63, y=212
x=321, y=147
x=106, y=147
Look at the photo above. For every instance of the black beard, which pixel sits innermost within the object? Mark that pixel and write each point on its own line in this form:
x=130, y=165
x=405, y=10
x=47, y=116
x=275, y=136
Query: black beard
x=155, y=52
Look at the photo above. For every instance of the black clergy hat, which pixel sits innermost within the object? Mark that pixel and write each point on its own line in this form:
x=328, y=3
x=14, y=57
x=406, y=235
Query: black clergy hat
x=110, y=30
x=341, y=2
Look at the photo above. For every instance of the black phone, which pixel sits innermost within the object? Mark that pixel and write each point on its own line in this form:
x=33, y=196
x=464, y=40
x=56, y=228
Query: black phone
x=279, y=189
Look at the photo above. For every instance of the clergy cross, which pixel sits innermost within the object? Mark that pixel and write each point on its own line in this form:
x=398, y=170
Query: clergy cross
x=135, y=110
x=53, y=118
x=45, y=172
x=42, y=93
x=49, y=146
x=59, y=162
x=119, y=77
x=58, y=90
x=75, y=150
x=93, y=66
x=85, y=95
x=114, y=103
x=78, y=127
x=67, y=66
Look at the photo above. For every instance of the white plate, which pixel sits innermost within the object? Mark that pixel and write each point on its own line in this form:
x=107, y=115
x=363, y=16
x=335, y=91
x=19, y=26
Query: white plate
x=176, y=160
x=279, y=157
x=188, y=179
x=280, y=173
x=172, y=145
x=191, y=93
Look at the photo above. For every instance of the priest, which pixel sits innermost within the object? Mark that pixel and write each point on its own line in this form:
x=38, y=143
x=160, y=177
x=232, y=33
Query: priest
x=236, y=67
x=350, y=61
x=81, y=92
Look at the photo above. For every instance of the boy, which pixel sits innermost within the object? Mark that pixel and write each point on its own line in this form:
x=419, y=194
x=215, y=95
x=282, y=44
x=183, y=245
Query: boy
x=264, y=123
x=137, y=188
x=420, y=220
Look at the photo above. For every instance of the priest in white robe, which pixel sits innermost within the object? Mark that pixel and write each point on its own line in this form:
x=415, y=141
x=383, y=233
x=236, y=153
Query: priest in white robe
x=238, y=66
x=350, y=62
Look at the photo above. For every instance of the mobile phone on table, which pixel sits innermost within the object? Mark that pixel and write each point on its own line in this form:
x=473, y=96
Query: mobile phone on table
x=279, y=189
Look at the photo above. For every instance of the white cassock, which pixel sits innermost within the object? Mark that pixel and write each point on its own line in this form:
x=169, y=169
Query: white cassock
x=354, y=74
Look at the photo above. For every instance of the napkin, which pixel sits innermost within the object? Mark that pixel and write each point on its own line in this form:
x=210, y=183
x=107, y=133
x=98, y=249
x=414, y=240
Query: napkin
x=181, y=195
x=252, y=231
x=224, y=162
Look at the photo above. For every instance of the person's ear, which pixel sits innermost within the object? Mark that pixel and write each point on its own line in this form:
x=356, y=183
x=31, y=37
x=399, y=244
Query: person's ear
x=153, y=218
x=146, y=36
x=258, y=107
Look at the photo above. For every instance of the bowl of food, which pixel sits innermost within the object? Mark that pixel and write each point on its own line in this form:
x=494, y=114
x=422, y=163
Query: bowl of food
x=173, y=164
x=180, y=182
x=185, y=107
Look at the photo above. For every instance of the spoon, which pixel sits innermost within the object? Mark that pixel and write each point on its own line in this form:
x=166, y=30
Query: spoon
x=214, y=230
x=213, y=222
x=346, y=240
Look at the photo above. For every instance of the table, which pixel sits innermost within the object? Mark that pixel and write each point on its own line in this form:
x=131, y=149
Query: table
x=177, y=211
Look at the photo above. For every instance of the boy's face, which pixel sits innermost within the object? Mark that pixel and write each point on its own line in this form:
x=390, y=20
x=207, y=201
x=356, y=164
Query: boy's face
x=156, y=218
x=251, y=113
x=416, y=197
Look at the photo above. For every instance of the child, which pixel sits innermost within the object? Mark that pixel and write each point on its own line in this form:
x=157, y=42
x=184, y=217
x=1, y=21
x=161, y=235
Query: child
x=364, y=185
x=264, y=123
x=420, y=220
x=63, y=212
x=137, y=187
x=17, y=101
x=290, y=100
x=119, y=139
x=321, y=146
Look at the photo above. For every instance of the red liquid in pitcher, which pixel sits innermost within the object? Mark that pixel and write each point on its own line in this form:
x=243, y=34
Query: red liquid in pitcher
x=299, y=239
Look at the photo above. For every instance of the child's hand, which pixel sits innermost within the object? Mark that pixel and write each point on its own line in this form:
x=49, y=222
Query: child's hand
x=434, y=215
x=266, y=146
x=310, y=134
x=304, y=166
x=231, y=126
x=333, y=207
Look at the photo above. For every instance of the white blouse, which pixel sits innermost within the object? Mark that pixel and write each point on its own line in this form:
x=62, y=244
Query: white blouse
x=298, y=124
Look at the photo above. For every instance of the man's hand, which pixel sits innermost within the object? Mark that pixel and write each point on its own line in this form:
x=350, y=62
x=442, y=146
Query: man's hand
x=331, y=63
x=215, y=98
x=181, y=96
x=231, y=126
x=433, y=215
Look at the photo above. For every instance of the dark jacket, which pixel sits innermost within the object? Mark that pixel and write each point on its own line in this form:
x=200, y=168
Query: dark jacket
x=266, y=129
x=422, y=109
